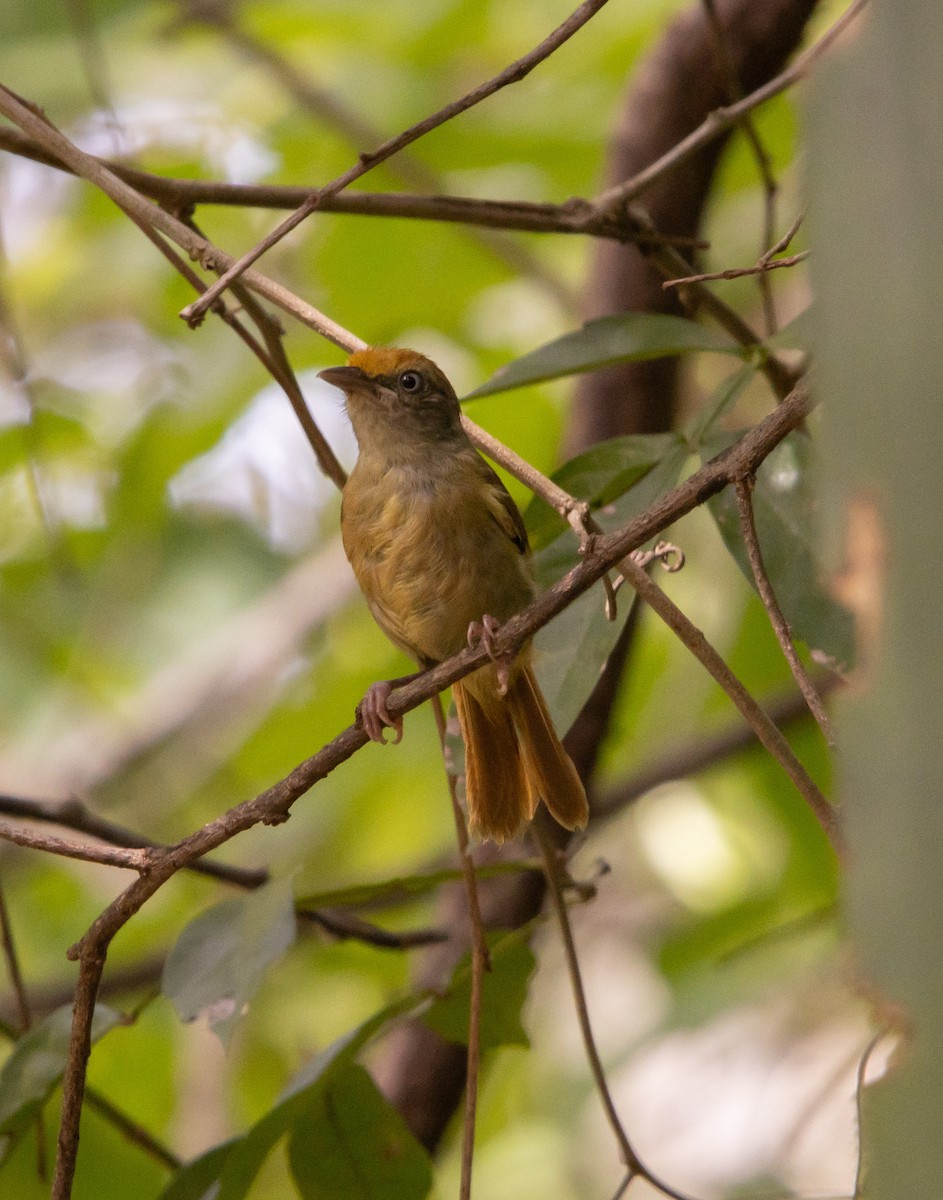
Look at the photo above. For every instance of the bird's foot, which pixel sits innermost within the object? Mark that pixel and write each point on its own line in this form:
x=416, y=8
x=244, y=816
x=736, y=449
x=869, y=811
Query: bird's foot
x=375, y=716
x=482, y=633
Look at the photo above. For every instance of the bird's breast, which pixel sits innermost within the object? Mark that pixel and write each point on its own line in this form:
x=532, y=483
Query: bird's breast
x=429, y=555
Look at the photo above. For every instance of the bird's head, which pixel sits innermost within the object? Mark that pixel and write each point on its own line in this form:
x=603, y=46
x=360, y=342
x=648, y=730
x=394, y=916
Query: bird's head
x=400, y=394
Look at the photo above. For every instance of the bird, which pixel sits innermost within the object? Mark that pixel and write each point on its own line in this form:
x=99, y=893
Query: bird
x=440, y=552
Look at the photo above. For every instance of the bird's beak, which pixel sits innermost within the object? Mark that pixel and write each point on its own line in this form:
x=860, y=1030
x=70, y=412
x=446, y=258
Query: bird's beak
x=348, y=379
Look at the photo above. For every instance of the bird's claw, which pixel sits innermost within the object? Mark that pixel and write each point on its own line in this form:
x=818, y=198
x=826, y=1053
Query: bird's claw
x=482, y=633
x=375, y=716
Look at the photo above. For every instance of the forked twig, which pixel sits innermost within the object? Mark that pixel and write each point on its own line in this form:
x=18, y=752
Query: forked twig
x=518, y=70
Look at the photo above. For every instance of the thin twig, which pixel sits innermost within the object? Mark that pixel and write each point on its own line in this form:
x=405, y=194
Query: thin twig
x=134, y=860
x=275, y=361
x=762, y=726
x=13, y=966
x=366, y=162
x=74, y=815
x=764, y=166
x=758, y=268
x=718, y=122
x=693, y=757
x=480, y=963
x=25, y=1016
x=553, y=871
x=133, y=203
x=556, y=885
x=74, y=1077
x=358, y=131
x=778, y=621
x=132, y=1130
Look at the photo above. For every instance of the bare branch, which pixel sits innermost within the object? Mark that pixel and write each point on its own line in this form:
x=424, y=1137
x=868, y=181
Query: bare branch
x=762, y=726
x=330, y=109
x=760, y=268
x=573, y=217
x=512, y=74
x=556, y=883
x=134, y=205
x=735, y=92
x=722, y=119
x=134, y=860
x=691, y=758
x=24, y=1015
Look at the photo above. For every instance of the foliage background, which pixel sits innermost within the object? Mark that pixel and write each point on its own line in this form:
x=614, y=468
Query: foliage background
x=178, y=627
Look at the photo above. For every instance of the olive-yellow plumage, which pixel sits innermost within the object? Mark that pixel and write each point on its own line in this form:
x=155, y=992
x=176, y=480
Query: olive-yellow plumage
x=438, y=546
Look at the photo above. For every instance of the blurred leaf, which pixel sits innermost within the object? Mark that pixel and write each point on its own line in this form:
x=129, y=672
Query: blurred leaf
x=785, y=508
x=571, y=651
x=36, y=1066
x=221, y=957
x=48, y=432
x=246, y=1155
x=723, y=398
x=598, y=476
x=799, y=334
x=353, y=1145
x=406, y=887
x=624, y=337
x=504, y=991
x=194, y=1181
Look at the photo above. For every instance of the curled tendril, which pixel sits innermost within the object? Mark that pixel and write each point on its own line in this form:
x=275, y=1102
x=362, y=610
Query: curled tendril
x=668, y=554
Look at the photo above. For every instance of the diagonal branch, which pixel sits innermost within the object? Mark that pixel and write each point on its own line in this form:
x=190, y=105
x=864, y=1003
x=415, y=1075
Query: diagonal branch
x=721, y=119
x=273, y=805
x=366, y=162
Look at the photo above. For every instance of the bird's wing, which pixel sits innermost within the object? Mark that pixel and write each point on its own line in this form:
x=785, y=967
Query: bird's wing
x=503, y=510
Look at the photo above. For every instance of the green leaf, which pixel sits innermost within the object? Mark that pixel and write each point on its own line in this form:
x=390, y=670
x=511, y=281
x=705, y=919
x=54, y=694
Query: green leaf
x=407, y=887
x=352, y=1144
x=504, y=991
x=723, y=398
x=37, y=1065
x=245, y=1157
x=194, y=1181
x=624, y=337
x=785, y=509
x=221, y=957
x=47, y=434
x=598, y=476
x=571, y=651
x=799, y=334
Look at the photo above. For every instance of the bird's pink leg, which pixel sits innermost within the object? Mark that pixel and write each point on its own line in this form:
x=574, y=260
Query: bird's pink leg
x=373, y=713
x=482, y=633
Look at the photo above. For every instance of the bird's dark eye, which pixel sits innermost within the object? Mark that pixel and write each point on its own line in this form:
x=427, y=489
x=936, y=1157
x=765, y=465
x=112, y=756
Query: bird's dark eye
x=410, y=381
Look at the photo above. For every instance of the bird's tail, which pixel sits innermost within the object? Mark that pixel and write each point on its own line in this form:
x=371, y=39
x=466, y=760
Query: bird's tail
x=513, y=757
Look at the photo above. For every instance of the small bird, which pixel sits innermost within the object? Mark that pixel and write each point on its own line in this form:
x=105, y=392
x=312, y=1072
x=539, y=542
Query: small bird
x=440, y=552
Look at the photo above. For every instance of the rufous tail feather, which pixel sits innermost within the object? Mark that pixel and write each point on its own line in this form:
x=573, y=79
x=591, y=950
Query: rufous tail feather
x=496, y=788
x=550, y=770
x=513, y=758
